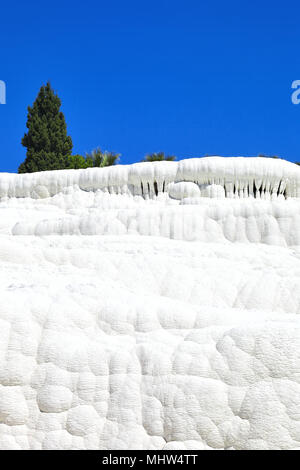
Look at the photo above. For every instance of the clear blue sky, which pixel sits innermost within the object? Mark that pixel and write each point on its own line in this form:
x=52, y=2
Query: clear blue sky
x=186, y=77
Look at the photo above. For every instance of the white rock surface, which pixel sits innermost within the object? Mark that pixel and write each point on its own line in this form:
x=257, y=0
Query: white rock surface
x=154, y=322
x=263, y=178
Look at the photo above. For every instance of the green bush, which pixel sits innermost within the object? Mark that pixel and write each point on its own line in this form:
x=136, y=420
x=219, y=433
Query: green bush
x=158, y=157
x=94, y=159
x=76, y=161
x=97, y=158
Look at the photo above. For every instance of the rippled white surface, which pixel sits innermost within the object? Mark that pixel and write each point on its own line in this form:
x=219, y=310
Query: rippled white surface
x=158, y=323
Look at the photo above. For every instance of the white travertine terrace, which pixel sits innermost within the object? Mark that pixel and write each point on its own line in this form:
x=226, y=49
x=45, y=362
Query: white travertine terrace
x=239, y=177
x=151, y=306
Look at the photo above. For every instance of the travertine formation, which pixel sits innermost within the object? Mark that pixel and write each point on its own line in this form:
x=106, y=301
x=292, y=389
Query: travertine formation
x=151, y=306
x=238, y=177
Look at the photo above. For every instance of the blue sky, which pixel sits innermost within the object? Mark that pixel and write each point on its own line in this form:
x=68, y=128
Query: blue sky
x=185, y=77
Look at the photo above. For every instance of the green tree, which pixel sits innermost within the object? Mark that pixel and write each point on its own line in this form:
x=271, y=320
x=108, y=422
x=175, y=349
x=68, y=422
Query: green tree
x=97, y=158
x=76, y=161
x=48, y=145
x=158, y=157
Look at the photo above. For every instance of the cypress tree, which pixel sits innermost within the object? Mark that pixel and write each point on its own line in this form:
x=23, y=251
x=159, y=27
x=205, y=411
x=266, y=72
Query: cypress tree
x=48, y=145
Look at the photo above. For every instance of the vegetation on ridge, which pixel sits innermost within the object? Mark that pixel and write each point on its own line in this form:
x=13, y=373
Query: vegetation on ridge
x=96, y=158
x=50, y=148
x=158, y=157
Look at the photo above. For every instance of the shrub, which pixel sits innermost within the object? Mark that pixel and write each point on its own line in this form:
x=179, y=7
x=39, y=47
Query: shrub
x=158, y=157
